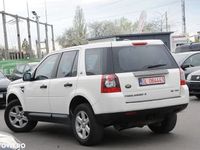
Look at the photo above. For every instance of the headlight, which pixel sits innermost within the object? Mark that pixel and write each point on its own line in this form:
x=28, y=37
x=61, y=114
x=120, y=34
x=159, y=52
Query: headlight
x=189, y=77
x=8, y=88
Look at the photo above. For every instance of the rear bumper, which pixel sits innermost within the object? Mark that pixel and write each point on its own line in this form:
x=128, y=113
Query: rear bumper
x=138, y=118
x=194, y=88
x=116, y=103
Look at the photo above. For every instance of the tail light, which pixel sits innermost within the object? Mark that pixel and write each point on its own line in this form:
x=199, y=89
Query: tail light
x=139, y=43
x=110, y=84
x=182, y=77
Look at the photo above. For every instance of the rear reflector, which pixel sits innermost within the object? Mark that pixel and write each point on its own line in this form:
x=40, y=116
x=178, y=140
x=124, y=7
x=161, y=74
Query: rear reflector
x=182, y=77
x=139, y=43
x=130, y=113
x=110, y=84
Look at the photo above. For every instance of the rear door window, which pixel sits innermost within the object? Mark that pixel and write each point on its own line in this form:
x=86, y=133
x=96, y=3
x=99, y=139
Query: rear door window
x=140, y=58
x=67, y=61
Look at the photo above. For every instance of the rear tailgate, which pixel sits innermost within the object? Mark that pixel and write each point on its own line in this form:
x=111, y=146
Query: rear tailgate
x=149, y=86
x=146, y=71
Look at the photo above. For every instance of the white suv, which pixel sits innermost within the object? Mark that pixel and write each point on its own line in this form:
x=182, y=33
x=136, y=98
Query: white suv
x=122, y=84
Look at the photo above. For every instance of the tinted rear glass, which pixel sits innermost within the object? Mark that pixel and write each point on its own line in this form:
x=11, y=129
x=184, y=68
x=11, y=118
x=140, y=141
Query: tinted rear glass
x=98, y=61
x=140, y=58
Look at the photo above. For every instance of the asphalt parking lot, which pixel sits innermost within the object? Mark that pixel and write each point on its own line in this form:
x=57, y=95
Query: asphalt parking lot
x=49, y=136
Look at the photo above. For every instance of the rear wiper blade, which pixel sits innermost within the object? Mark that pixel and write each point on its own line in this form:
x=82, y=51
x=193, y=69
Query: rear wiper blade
x=156, y=66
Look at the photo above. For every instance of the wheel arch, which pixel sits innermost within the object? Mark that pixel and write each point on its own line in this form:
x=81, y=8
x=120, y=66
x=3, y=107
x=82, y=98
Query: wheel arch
x=77, y=100
x=11, y=97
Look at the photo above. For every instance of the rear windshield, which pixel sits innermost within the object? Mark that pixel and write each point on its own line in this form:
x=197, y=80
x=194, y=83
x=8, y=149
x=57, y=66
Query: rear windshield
x=127, y=59
x=140, y=58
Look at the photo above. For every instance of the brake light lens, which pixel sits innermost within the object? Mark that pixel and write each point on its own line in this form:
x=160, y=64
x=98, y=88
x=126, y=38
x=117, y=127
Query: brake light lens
x=182, y=77
x=110, y=84
x=139, y=43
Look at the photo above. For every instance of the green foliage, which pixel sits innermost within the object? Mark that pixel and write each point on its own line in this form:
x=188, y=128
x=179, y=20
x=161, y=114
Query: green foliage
x=75, y=35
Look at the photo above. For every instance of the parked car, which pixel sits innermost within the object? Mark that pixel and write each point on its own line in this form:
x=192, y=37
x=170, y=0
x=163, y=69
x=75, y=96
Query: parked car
x=4, y=82
x=188, y=61
x=188, y=48
x=193, y=82
x=123, y=84
x=9, y=142
x=20, y=69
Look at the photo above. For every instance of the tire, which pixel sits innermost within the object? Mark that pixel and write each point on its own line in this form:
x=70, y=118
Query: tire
x=15, y=118
x=85, y=127
x=165, y=126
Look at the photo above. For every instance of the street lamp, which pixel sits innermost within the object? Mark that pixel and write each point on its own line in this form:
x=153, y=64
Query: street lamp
x=38, y=34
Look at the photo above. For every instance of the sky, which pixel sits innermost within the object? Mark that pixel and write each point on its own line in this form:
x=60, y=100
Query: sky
x=60, y=12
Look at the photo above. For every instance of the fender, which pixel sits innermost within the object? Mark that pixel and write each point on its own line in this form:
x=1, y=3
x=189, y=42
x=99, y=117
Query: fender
x=87, y=95
x=18, y=94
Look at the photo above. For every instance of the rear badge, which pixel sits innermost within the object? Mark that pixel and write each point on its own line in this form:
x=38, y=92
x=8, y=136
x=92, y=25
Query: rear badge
x=128, y=86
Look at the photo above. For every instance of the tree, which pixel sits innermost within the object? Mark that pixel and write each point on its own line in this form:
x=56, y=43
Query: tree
x=25, y=46
x=153, y=26
x=106, y=28
x=76, y=35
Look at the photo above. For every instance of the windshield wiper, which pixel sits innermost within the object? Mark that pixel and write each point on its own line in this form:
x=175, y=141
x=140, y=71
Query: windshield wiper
x=155, y=66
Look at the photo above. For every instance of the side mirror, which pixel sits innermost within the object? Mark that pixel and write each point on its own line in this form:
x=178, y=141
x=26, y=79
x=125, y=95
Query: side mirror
x=185, y=66
x=27, y=76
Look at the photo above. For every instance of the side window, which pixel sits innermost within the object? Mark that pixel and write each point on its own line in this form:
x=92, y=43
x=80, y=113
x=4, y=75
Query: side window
x=93, y=62
x=45, y=69
x=75, y=66
x=98, y=61
x=66, y=68
x=193, y=61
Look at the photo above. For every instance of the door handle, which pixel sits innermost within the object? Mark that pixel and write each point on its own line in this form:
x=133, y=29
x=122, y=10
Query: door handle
x=43, y=86
x=67, y=85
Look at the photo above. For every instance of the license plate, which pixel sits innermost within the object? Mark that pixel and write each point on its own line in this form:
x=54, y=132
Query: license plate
x=1, y=95
x=151, y=81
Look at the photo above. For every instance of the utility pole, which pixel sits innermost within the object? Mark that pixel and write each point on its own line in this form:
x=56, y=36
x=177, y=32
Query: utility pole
x=183, y=17
x=29, y=38
x=47, y=39
x=27, y=8
x=5, y=34
x=18, y=33
x=46, y=30
x=161, y=25
x=38, y=34
x=4, y=7
x=166, y=21
x=53, y=42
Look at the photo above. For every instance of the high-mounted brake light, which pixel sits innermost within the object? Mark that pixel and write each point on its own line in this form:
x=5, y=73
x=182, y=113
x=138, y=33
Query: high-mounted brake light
x=139, y=43
x=182, y=77
x=110, y=84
